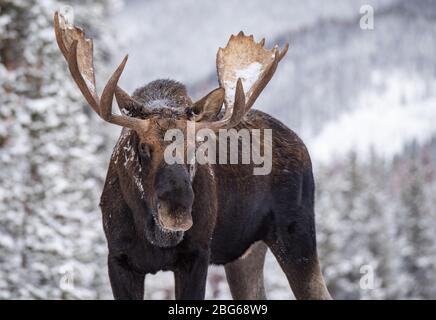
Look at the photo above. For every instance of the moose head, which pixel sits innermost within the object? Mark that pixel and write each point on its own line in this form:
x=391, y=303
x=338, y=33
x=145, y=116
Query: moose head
x=166, y=189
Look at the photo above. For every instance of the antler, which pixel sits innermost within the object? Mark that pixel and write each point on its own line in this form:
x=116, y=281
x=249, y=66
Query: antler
x=243, y=63
x=233, y=118
x=78, y=51
x=244, y=59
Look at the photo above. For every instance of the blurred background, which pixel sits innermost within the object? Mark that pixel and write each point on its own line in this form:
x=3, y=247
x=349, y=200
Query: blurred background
x=364, y=101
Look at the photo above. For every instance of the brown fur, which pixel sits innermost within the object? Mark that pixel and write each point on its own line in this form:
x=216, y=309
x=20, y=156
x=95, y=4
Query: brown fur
x=232, y=210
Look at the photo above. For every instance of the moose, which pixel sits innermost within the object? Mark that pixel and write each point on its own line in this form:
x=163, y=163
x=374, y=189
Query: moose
x=182, y=217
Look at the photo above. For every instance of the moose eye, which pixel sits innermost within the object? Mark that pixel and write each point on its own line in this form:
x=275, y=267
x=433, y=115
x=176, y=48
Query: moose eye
x=144, y=151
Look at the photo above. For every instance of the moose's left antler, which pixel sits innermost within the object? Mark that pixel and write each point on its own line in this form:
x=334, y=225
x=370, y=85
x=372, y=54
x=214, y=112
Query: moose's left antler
x=244, y=69
x=249, y=61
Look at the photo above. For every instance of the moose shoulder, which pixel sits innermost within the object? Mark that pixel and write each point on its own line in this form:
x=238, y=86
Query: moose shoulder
x=183, y=216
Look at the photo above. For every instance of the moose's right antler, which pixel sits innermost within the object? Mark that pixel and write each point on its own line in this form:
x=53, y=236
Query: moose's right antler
x=78, y=51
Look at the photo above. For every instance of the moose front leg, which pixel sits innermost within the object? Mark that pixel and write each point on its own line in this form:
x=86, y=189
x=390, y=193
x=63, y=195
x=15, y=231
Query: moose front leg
x=190, y=277
x=126, y=283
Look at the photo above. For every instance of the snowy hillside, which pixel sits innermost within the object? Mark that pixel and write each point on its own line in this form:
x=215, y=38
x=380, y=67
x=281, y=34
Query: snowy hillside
x=399, y=111
x=179, y=39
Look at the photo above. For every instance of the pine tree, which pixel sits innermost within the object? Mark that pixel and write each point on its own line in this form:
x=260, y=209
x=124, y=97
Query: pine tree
x=417, y=249
x=51, y=150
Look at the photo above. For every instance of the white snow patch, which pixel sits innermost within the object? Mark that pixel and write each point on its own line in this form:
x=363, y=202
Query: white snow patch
x=139, y=185
x=382, y=122
x=248, y=75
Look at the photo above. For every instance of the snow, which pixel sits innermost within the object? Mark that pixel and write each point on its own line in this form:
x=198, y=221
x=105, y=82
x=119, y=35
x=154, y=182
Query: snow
x=380, y=122
x=185, y=50
x=248, y=76
x=129, y=153
x=51, y=151
x=138, y=183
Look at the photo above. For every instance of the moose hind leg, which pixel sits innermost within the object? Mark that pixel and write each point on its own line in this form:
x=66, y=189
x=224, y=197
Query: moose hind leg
x=294, y=246
x=245, y=275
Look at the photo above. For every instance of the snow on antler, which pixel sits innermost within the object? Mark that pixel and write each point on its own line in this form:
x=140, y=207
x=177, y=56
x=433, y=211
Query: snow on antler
x=251, y=62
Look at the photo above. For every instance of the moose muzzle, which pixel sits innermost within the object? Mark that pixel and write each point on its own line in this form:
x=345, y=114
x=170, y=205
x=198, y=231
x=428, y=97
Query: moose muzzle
x=180, y=220
x=174, y=198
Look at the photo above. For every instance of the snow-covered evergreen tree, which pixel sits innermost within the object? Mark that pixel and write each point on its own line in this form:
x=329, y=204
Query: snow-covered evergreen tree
x=378, y=214
x=416, y=228
x=51, y=147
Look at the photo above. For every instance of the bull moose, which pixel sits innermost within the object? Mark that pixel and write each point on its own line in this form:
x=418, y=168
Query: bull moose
x=181, y=217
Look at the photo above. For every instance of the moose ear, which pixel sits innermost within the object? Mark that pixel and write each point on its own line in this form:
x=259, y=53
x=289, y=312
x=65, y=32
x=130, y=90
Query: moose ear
x=208, y=107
